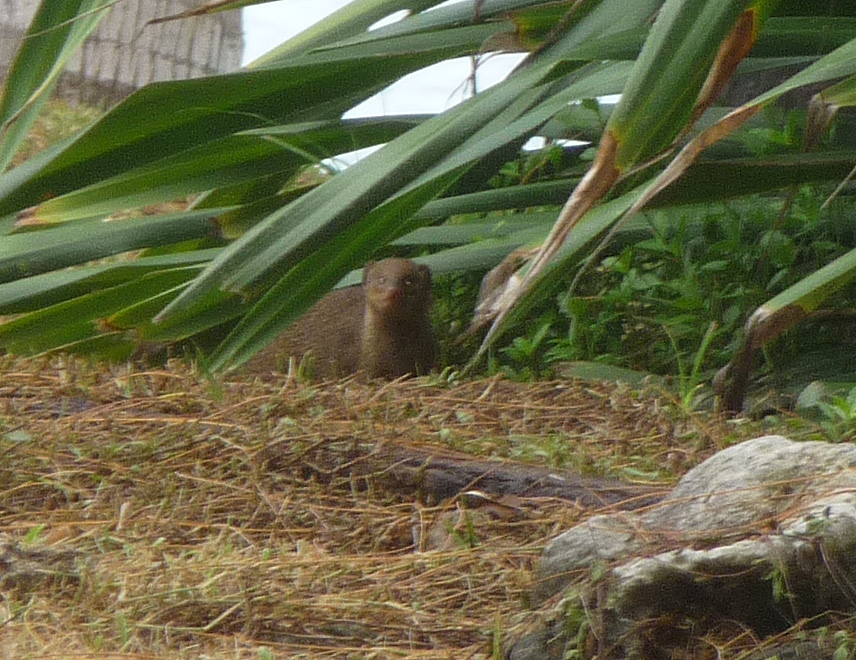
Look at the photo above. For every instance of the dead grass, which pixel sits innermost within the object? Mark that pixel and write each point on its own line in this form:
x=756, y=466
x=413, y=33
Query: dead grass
x=154, y=514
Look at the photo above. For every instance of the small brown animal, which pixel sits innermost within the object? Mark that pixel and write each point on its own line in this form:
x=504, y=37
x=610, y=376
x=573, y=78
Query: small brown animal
x=382, y=327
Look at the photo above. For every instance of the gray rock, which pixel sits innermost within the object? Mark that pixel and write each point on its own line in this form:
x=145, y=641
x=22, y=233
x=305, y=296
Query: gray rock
x=763, y=533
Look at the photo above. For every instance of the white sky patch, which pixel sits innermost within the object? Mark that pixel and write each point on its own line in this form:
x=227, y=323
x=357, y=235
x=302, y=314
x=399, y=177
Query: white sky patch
x=267, y=26
x=435, y=88
x=431, y=90
x=389, y=20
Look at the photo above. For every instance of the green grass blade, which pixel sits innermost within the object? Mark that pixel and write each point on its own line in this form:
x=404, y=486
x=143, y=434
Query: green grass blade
x=663, y=89
x=354, y=18
x=233, y=160
x=274, y=246
x=166, y=119
x=56, y=31
x=74, y=319
x=30, y=253
x=39, y=291
x=809, y=293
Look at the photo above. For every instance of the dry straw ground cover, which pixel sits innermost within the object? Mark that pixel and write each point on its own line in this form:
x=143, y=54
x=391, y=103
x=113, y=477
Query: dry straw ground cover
x=156, y=514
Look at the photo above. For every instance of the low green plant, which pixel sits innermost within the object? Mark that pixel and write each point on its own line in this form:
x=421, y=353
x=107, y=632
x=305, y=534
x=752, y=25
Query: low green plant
x=846, y=649
x=692, y=382
x=264, y=653
x=778, y=580
x=34, y=534
x=454, y=299
x=675, y=303
x=124, y=629
x=465, y=536
x=839, y=416
x=577, y=626
x=525, y=353
x=496, y=651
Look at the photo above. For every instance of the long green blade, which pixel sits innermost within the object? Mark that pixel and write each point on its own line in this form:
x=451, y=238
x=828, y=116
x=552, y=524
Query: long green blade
x=57, y=30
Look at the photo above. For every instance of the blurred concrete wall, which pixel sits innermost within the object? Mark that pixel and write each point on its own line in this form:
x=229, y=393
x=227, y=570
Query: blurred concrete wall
x=124, y=53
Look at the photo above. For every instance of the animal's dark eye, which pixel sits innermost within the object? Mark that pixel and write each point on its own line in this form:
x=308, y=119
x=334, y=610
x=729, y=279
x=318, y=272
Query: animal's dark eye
x=379, y=279
x=409, y=281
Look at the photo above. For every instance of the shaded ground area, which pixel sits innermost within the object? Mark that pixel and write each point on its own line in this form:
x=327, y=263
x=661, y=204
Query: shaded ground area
x=159, y=514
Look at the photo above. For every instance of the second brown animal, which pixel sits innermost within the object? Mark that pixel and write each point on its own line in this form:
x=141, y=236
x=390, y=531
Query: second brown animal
x=382, y=327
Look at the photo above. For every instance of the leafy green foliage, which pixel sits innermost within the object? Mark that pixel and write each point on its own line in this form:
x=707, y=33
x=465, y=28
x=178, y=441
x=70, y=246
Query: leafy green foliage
x=834, y=408
x=267, y=236
x=454, y=299
x=675, y=302
x=840, y=414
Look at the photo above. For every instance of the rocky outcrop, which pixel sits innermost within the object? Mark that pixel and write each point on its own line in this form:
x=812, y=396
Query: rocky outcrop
x=762, y=534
